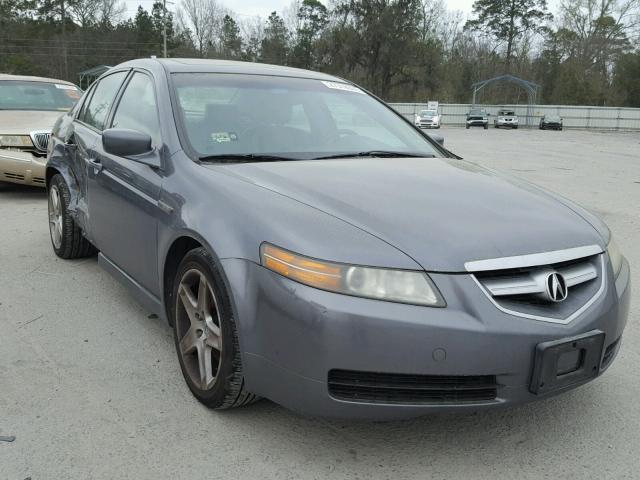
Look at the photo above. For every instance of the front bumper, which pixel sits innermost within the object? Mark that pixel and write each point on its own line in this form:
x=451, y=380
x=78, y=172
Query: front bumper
x=503, y=123
x=22, y=167
x=477, y=123
x=292, y=336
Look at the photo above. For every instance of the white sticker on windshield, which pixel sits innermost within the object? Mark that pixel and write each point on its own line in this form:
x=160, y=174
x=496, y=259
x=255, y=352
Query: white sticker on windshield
x=65, y=87
x=343, y=86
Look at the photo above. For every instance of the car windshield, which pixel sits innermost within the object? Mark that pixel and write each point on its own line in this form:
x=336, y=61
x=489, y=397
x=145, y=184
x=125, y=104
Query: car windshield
x=476, y=112
x=427, y=113
x=552, y=118
x=507, y=113
x=27, y=95
x=267, y=117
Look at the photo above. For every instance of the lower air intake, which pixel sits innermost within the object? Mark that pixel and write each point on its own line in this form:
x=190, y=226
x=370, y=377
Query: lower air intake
x=391, y=388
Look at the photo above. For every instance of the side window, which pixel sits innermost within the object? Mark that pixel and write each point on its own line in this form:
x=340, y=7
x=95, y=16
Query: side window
x=95, y=114
x=85, y=102
x=137, y=108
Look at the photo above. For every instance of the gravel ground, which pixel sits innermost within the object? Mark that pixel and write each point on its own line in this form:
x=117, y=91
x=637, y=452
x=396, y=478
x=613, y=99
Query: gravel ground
x=91, y=388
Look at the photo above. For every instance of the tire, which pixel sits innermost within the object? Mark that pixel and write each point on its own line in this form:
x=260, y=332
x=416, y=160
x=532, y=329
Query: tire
x=467, y=127
x=67, y=238
x=207, y=332
x=486, y=126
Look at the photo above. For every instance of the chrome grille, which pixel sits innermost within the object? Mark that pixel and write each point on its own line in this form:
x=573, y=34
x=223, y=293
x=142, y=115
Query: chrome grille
x=525, y=291
x=40, y=140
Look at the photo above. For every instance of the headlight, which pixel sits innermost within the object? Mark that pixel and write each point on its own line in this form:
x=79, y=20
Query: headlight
x=15, y=141
x=402, y=286
x=615, y=257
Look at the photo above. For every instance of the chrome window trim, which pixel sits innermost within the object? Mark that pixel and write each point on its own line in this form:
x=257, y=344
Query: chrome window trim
x=560, y=321
x=533, y=259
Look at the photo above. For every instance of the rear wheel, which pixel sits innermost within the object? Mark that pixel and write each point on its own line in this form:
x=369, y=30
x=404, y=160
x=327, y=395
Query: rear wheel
x=66, y=237
x=205, y=334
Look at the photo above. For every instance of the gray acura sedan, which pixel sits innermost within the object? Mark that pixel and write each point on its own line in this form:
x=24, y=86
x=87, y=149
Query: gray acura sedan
x=309, y=245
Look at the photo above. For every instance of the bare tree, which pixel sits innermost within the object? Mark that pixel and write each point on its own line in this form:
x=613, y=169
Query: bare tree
x=111, y=12
x=203, y=19
x=600, y=28
x=83, y=12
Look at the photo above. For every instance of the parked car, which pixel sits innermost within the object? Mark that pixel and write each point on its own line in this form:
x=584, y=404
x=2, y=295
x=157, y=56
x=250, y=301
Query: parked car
x=335, y=266
x=428, y=119
x=29, y=106
x=550, y=122
x=506, y=118
x=477, y=117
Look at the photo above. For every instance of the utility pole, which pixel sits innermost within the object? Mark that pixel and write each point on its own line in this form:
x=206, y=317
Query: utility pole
x=64, y=42
x=164, y=28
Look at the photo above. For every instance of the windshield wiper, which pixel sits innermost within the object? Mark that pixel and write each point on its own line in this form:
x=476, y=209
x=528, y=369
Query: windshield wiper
x=377, y=154
x=243, y=157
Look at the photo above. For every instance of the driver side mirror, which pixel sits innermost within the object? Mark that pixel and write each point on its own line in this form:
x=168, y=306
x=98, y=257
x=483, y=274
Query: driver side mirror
x=125, y=143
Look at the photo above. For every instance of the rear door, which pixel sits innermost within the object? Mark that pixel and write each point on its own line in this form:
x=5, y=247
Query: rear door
x=86, y=134
x=124, y=192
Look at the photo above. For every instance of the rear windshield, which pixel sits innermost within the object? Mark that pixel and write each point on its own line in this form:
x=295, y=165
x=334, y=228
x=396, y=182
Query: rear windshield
x=26, y=95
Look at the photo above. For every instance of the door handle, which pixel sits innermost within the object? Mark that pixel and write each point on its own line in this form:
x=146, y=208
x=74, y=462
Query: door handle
x=96, y=164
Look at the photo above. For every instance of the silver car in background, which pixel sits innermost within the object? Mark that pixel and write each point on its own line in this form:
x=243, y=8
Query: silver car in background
x=428, y=119
x=506, y=118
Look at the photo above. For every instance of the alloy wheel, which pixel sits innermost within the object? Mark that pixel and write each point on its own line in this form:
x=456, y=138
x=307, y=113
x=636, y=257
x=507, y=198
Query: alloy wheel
x=199, y=328
x=55, y=216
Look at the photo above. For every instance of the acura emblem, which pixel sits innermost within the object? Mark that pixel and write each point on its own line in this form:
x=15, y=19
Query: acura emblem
x=556, y=287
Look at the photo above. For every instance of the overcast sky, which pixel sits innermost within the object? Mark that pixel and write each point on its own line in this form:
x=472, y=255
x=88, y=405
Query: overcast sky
x=262, y=8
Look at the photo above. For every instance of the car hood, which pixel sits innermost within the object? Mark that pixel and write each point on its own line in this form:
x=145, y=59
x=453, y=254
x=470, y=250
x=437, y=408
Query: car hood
x=22, y=121
x=440, y=212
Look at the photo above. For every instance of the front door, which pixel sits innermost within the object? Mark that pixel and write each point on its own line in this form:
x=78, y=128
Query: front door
x=124, y=192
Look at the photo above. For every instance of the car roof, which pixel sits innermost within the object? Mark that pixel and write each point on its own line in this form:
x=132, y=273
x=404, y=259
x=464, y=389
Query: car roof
x=28, y=78
x=203, y=65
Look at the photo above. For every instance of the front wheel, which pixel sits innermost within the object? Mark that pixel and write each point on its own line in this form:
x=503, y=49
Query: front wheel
x=67, y=238
x=205, y=334
x=486, y=126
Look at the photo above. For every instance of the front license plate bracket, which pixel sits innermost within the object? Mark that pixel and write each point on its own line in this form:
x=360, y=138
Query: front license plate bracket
x=559, y=364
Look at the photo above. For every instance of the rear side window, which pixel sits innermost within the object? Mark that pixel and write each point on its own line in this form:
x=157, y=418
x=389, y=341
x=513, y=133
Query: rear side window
x=137, y=108
x=95, y=113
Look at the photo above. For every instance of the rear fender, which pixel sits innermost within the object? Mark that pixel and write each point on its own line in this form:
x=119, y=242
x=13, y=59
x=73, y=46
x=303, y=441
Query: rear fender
x=58, y=164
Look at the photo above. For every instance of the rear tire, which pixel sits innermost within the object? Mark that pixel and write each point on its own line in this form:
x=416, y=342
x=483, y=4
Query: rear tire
x=205, y=334
x=67, y=238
